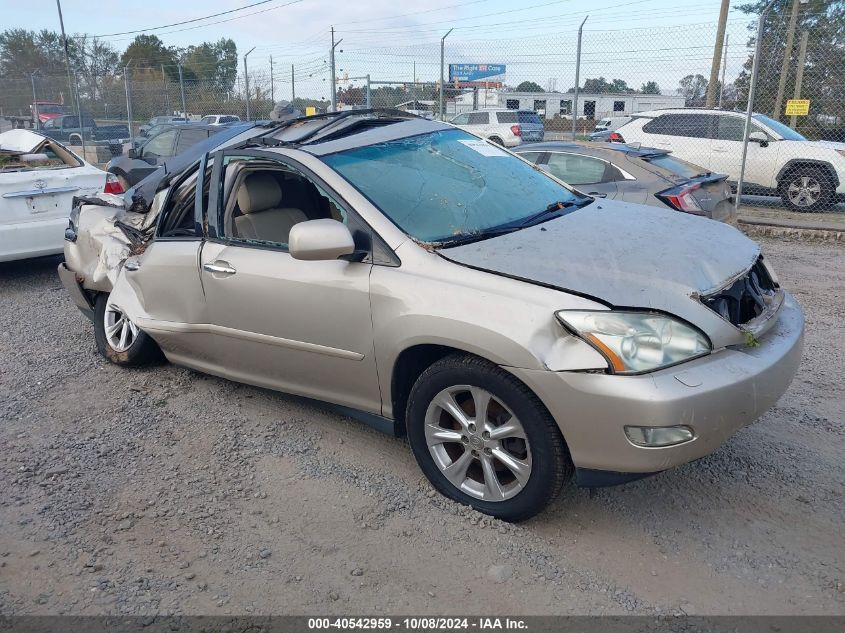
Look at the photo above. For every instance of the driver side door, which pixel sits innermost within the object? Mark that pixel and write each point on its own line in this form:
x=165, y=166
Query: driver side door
x=302, y=327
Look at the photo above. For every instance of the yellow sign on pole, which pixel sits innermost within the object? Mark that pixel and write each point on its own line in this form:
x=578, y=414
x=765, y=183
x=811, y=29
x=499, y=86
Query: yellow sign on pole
x=797, y=107
x=310, y=110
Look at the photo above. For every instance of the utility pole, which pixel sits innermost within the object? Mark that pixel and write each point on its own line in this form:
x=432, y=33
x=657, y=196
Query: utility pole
x=787, y=56
x=71, y=86
x=442, y=81
x=799, y=73
x=717, y=54
x=246, y=83
x=334, y=80
x=724, y=69
x=272, y=93
x=755, y=64
x=577, y=81
x=292, y=86
x=182, y=90
x=36, y=122
x=128, y=86
x=164, y=85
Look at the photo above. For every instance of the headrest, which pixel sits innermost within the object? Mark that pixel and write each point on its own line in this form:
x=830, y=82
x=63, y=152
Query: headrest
x=259, y=192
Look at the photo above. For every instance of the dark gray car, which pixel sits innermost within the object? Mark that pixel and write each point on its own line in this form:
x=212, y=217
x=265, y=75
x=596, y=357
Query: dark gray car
x=635, y=174
x=170, y=141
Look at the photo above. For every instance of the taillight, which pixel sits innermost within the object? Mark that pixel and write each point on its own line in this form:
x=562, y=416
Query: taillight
x=615, y=137
x=681, y=199
x=517, y=131
x=112, y=184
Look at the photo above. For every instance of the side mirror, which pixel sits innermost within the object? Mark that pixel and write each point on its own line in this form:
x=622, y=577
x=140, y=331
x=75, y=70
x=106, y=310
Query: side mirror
x=131, y=153
x=316, y=240
x=759, y=137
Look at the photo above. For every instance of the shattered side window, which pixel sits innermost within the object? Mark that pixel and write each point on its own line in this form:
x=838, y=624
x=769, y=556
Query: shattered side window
x=447, y=183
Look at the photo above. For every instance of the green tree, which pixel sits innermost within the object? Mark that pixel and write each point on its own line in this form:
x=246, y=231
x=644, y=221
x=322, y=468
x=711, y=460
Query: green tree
x=650, y=88
x=214, y=64
x=149, y=52
x=529, y=86
x=22, y=52
x=693, y=88
x=824, y=21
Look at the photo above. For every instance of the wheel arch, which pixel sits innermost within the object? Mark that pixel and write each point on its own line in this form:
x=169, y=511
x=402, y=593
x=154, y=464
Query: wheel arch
x=412, y=361
x=798, y=163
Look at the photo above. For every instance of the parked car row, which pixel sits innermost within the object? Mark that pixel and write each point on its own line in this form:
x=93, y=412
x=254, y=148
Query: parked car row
x=508, y=128
x=642, y=175
x=806, y=175
x=518, y=331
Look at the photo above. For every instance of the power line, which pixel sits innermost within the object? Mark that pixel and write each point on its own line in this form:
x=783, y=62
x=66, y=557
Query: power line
x=191, y=28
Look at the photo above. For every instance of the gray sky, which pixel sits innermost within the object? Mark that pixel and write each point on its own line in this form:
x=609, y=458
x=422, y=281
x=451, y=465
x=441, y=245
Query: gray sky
x=635, y=40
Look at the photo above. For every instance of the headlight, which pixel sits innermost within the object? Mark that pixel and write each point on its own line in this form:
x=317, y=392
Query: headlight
x=635, y=342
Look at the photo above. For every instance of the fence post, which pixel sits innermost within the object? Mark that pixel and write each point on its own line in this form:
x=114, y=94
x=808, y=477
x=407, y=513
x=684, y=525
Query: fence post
x=724, y=69
x=246, y=83
x=749, y=109
x=577, y=81
x=292, y=86
x=369, y=99
x=442, y=61
x=272, y=93
x=182, y=90
x=334, y=79
x=128, y=87
x=36, y=122
x=79, y=111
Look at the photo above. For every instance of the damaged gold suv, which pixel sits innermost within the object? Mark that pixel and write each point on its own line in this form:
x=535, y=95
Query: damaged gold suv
x=517, y=331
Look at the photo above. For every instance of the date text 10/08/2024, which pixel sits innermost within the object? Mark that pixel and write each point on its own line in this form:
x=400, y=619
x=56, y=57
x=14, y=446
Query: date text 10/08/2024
x=417, y=624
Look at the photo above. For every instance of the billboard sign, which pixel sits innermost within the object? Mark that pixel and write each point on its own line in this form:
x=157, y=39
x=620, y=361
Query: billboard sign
x=494, y=73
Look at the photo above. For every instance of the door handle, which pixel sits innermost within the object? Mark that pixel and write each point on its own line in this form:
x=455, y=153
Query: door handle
x=219, y=269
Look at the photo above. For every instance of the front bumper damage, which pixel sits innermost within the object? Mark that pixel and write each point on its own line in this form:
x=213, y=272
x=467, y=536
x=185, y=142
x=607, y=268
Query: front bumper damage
x=715, y=395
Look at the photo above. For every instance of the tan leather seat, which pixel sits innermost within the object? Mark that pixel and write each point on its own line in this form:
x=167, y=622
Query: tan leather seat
x=264, y=217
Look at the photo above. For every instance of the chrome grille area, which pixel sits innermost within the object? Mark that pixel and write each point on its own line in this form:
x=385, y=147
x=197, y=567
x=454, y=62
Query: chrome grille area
x=747, y=298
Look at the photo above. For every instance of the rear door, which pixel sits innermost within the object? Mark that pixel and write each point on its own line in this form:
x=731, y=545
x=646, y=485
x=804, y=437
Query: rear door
x=166, y=276
x=688, y=135
x=591, y=175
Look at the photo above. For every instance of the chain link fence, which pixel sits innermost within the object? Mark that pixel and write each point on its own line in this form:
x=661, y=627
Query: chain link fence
x=622, y=73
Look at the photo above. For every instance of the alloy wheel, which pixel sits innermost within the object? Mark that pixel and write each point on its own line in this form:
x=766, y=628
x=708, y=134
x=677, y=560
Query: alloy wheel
x=477, y=442
x=121, y=333
x=804, y=191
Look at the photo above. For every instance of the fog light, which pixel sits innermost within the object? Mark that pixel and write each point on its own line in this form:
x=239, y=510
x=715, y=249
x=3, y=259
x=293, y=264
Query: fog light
x=655, y=436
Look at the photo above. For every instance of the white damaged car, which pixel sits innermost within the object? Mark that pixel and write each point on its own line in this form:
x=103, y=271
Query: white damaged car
x=39, y=178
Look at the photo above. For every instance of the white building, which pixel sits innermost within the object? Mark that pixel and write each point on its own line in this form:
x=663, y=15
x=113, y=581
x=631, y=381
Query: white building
x=549, y=104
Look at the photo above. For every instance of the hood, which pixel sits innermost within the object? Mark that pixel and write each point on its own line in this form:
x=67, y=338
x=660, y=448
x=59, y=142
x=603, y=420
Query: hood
x=626, y=255
x=23, y=141
x=831, y=144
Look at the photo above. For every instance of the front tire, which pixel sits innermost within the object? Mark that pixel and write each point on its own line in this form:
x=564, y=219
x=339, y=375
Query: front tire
x=807, y=189
x=484, y=439
x=118, y=339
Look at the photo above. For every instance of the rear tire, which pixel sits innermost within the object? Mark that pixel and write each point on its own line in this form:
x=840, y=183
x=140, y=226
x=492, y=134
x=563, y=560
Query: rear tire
x=807, y=189
x=119, y=340
x=509, y=462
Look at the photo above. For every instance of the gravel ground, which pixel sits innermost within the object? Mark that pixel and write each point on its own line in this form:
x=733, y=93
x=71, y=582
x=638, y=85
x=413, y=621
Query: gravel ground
x=166, y=491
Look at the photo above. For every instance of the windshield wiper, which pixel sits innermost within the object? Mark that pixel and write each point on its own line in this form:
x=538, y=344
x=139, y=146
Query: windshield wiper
x=475, y=236
x=551, y=211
